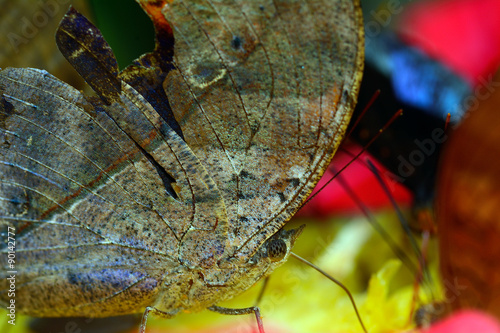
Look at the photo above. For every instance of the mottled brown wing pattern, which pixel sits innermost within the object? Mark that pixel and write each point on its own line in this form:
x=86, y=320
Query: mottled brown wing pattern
x=82, y=195
x=197, y=214
x=263, y=92
x=66, y=198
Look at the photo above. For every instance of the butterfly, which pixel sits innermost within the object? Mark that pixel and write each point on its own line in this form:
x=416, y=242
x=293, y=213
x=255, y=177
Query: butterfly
x=466, y=210
x=169, y=190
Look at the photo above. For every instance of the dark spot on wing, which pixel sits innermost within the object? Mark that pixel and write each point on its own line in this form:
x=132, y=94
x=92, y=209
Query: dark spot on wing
x=205, y=72
x=21, y=203
x=245, y=196
x=6, y=110
x=18, y=202
x=246, y=174
x=294, y=182
x=72, y=278
x=236, y=42
x=346, y=97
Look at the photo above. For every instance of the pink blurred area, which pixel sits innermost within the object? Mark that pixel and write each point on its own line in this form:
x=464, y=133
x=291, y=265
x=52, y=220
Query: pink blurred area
x=333, y=199
x=467, y=321
x=464, y=34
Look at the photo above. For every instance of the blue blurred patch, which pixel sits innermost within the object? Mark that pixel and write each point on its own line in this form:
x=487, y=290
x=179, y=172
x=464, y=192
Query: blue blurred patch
x=417, y=79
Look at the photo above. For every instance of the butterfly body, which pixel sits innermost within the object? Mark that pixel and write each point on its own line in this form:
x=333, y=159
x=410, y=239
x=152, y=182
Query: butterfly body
x=169, y=189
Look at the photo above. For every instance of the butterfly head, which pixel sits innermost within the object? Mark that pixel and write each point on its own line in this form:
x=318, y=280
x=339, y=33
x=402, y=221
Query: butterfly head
x=275, y=250
x=269, y=255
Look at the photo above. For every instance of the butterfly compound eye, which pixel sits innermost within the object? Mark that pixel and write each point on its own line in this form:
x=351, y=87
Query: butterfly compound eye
x=276, y=249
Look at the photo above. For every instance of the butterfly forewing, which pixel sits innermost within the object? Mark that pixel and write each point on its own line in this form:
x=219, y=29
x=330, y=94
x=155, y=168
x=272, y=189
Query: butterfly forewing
x=263, y=92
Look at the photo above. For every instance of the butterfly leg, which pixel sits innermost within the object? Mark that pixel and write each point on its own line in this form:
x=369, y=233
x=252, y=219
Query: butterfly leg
x=262, y=290
x=253, y=309
x=142, y=328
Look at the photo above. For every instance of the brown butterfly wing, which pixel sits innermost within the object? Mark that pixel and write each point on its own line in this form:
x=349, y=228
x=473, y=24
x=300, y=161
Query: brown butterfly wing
x=70, y=178
x=263, y=92
x=195, y=212
x=467, y=210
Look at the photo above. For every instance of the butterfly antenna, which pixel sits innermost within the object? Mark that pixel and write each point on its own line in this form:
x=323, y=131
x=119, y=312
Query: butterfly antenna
x=393, y=118
x=334, y=281
x=402, y=219
x=422, y=273
x=366, y=108
x=396, y=249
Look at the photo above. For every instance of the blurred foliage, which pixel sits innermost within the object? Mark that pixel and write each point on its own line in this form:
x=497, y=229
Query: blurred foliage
x=128, y=30
x=27, y=30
